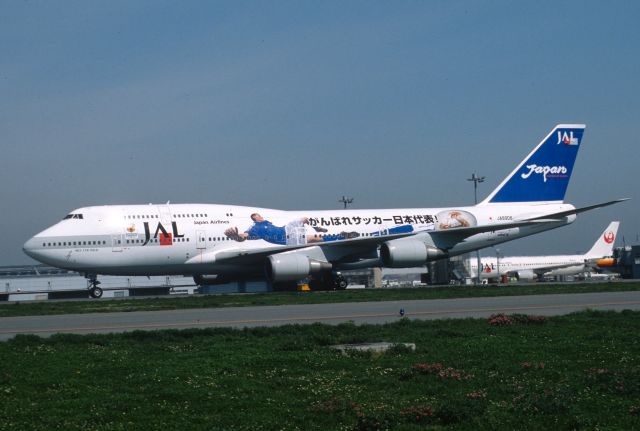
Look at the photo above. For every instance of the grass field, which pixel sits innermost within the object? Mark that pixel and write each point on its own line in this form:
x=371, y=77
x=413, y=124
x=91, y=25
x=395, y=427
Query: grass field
x=580, y=371
x=281, y=298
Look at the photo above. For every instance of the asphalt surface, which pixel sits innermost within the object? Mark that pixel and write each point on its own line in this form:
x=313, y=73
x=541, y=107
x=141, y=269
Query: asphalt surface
x=357, y=312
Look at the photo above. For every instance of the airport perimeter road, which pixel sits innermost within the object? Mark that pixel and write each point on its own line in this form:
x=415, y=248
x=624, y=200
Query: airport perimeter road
x=358, y=312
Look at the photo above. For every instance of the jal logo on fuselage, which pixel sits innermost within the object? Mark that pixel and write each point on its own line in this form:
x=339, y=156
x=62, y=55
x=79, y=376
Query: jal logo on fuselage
x=166, y=238
x=566, y=138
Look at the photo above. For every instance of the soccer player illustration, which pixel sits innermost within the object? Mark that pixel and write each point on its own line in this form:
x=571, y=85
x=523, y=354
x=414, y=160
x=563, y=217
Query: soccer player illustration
x=293, y=233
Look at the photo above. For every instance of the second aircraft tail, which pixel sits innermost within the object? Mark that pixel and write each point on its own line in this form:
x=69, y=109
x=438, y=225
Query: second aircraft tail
x=604, y=244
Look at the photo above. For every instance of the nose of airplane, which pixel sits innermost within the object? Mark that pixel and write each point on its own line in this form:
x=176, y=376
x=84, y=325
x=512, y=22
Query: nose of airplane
x=30, y=248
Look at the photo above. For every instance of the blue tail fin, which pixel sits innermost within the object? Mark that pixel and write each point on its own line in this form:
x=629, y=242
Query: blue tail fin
x=543, y=176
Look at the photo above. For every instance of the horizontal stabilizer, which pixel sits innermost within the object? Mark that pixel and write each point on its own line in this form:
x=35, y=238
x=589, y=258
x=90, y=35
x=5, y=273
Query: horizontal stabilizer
x=560, y=215
x=443, y=238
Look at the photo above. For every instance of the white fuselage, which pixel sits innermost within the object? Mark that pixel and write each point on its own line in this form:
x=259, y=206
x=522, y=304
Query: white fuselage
x=559, y=265
x=186, y=238
x=529, y=267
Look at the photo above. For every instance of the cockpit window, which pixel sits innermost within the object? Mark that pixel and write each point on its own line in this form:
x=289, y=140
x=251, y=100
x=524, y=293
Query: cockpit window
x=68, y=216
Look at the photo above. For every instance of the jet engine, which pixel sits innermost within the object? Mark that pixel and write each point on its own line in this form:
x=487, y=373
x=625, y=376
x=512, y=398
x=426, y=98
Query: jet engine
x=405, y=253
x=293, y=267
x=526, y=275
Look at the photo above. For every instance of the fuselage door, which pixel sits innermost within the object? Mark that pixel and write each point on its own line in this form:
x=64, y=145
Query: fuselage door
x=201, y=241
x=116, y=242
x=165, y=214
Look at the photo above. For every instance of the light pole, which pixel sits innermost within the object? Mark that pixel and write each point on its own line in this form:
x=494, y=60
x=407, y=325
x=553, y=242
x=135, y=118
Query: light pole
x=498, y=264
x=346, y=201
x=476, y=179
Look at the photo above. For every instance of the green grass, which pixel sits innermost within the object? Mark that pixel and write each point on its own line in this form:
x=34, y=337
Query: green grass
x=576, y=371
x=282, y=298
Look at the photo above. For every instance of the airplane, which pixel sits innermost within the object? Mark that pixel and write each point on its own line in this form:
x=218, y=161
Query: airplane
x=537, y=267
x=222, y=243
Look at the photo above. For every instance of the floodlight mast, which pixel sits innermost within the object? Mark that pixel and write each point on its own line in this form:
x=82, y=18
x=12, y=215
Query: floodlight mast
x=476, y=179
x=346, y=201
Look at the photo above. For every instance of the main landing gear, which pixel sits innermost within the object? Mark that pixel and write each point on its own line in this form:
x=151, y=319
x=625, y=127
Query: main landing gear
x=339, y=281
x=94, y=290
x=325, y=282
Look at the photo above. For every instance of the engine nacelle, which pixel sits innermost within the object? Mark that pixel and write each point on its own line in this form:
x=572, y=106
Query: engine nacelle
x=526, y=275
x=403, y=253
x=293, y=267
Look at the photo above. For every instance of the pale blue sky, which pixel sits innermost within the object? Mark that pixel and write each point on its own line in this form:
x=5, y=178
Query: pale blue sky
x=293, y=104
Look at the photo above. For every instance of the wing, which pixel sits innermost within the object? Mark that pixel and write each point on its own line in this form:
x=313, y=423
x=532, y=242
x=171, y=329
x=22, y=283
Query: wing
x=353, y=246
x=548, y=268
x=256, y=254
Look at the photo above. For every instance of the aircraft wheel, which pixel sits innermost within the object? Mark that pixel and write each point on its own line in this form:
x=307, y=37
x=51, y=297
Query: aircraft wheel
x=340, y=282
x=95, y=292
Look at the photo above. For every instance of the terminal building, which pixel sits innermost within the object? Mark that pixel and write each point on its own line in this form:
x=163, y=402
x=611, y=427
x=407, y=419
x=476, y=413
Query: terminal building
x=627, y=261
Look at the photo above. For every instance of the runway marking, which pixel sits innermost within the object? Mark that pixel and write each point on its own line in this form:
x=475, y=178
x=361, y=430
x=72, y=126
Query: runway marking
x=308, y=318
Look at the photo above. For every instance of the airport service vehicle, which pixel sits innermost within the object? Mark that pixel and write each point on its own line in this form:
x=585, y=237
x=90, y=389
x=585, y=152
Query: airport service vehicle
x=536, y=267
x=222, y=243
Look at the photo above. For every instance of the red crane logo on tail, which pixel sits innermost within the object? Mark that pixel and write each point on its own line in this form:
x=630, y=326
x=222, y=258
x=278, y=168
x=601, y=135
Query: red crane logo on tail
x=609, y=237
